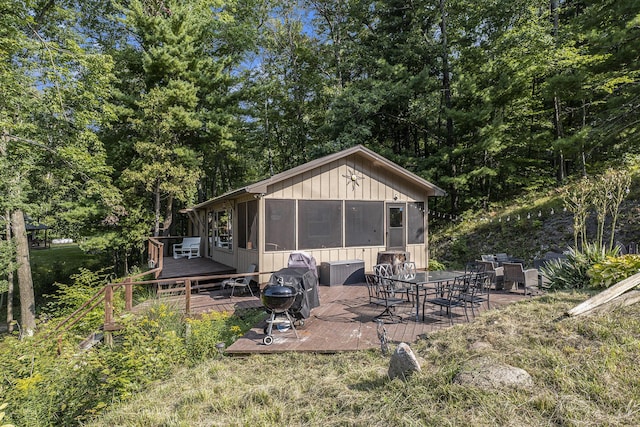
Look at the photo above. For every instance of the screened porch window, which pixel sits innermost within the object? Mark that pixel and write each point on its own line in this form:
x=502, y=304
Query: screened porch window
x=364, y=223
x=319, y=224
x=223, y=228
x=415, y=223
x=248, y=225
x=280, y=225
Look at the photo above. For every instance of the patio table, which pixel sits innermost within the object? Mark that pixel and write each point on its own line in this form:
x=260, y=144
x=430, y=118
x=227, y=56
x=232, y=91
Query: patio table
x=421, y=279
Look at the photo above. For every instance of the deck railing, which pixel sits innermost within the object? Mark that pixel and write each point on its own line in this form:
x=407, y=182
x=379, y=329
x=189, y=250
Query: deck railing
x=156, y=256
x=107, y=294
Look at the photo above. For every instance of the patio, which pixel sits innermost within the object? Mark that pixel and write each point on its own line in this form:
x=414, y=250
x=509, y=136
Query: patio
x=344, y=321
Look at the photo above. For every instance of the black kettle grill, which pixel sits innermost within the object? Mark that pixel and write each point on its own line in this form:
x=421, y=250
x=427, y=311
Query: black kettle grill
x=278, y=299
x=289, y=296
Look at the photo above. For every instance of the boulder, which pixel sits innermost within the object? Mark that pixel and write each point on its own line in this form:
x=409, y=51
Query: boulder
x=488, y=374
x=403, y=363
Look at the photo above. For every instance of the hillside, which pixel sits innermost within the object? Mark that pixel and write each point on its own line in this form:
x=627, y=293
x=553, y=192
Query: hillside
x=526, y=227
x=584, y=370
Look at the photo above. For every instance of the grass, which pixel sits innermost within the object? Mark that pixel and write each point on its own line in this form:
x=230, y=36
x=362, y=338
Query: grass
x=585, y=372
x=59, y=263
x=56, y=264
x=63, y=259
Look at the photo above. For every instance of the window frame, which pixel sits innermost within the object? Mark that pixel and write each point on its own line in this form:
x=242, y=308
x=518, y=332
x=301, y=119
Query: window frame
x=310, y=229
x=223, y=231
x=351, y=235
x=288, y=227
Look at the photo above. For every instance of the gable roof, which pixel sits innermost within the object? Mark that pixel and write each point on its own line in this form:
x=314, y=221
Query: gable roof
x=380, y=161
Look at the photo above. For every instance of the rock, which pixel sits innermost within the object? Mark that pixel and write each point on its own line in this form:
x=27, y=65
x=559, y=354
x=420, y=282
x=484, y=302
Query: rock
x=403, y=363
x=480, y=345
x=487, y=374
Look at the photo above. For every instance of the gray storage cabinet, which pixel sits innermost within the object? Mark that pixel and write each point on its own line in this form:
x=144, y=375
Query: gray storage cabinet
x=334, y=273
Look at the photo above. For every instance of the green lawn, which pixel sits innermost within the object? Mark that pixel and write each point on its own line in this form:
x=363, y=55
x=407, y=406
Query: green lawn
x=59, y=263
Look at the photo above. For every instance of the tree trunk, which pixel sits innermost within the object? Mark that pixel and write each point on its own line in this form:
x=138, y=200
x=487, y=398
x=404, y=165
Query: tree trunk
x=25, y=281
x=584, y=125
x=557, y=120
x=156, y=225
x=168, y=216
x=446, y=84
x=561, y=173
x=10, y=284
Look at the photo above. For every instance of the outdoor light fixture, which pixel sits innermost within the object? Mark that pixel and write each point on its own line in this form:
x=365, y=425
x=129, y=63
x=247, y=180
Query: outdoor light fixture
x=220, y=347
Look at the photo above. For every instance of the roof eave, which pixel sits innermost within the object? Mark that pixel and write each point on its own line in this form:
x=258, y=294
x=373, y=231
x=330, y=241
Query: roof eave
x=262, y=187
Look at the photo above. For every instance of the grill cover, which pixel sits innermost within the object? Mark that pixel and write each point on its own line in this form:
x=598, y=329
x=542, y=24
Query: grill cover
x=301, y=259
x=306, y=285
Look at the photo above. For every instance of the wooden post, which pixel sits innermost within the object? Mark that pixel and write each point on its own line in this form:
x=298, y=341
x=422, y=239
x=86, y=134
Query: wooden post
x=606, y=295
x=108, y=314
x=160, y=262
x=128, y=294
x=108, y=306
x=187, y=297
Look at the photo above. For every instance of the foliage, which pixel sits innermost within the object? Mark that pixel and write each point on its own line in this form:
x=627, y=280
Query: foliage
x=577, y=199
x=572, y=272
x=436, y=265
x=50, y=386
x=52, y=163
x=210, y=329
x=178, y=64
x=58, y=264
x=613, y=269
x=7, y=264
x=604, y=194
x=146, y=349
x=69, y=297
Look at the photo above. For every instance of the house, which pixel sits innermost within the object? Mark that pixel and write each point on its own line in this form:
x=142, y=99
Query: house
x=349, y=205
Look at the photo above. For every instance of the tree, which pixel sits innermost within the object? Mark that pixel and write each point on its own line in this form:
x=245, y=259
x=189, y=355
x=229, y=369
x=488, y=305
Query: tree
x=53, y=101
x=177, y=101
x=286, y=93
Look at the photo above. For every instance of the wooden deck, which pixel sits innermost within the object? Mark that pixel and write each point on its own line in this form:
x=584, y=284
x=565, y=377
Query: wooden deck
x=184, y=267
x=344, y=321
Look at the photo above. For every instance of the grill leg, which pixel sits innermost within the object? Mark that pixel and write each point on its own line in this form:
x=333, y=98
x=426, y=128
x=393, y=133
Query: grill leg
x=270, y=323
x=291, y=324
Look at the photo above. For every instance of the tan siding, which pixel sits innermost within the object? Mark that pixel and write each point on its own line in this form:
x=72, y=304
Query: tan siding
x=331, y=181
x=324, y=180
x=226, y=258
x=417, y=255
x=245, y=259
x=335, y=190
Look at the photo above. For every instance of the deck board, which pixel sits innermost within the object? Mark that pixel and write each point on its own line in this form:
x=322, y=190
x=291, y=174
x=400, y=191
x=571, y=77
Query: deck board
x=184, y=267
x=344, y=321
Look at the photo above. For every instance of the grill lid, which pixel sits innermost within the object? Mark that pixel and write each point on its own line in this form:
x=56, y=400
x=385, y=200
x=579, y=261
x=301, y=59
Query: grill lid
x=278, y=297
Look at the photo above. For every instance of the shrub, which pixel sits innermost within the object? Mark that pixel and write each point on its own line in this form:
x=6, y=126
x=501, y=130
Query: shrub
x=460, y=248
x=69, y=297
x=215, y=327
x=572, y=272
x=51, y=386
x=613, y=269
x=436, y=265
